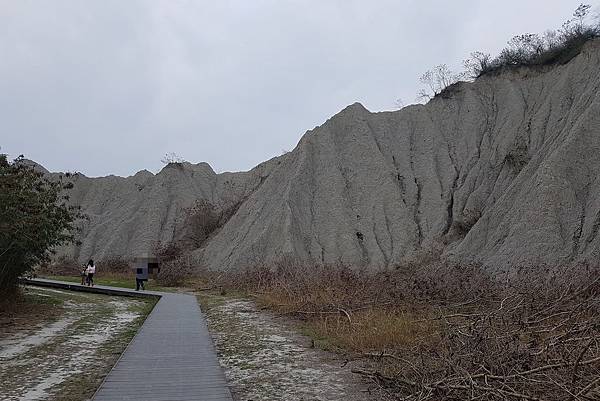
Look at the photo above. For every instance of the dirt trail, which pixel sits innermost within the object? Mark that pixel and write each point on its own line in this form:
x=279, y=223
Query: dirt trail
x=266, y=359
x=48, y=361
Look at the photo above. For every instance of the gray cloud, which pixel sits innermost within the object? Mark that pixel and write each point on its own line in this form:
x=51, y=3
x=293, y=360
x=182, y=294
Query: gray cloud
x=108, y=87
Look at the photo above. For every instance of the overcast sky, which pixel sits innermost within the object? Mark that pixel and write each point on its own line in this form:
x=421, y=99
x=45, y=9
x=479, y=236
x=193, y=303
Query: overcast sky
x=108, y=87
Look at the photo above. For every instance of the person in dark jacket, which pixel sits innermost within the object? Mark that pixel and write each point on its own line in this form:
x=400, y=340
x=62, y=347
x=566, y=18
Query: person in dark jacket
x=141, y=275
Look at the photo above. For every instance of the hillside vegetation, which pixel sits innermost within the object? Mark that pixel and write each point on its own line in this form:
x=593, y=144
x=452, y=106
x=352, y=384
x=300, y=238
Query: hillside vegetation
x=554, y=47
x=445, y=332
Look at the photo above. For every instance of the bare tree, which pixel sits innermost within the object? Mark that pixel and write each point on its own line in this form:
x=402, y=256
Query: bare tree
x=436, y=80
x=172, y=158
x=399, y=103
x=580, y=14
x=476, y=64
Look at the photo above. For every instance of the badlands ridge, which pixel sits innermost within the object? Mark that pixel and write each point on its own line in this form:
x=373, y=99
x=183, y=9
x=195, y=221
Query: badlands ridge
x=503, y=170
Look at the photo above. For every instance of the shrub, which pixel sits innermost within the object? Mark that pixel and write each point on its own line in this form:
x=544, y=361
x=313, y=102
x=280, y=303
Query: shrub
x=533, y=337
x=444, y=331
x=462, y=225
x=172, y=158
x=437, y=81
x=554, y=47
x=517, y=157
x=114, y=264
x=34, y=218
x=201, y=221
x=165, y=253
x=292, y=287
x=477, y=63
x=61, y=266
x=176, y=265
x=174, y=272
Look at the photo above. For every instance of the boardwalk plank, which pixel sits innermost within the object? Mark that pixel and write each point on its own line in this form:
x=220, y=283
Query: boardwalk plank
x=172, y=357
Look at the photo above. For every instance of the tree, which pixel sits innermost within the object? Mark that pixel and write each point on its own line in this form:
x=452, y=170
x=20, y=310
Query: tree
x=436, y=80
x=478, y=63
x=552, y=47
x=34, y=218
x=523, y=50
x=580, y=13
x=172, y=158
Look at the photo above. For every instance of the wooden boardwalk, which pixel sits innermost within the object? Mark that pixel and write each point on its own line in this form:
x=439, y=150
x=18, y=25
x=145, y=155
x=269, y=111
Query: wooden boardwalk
x=172, y=357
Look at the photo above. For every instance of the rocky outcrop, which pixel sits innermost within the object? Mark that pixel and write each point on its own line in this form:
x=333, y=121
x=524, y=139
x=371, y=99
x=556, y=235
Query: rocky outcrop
x=504, y=170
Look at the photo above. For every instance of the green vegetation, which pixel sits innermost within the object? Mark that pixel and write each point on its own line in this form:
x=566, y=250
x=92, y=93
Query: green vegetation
x=121, y=282
x=112, y=280
x=34, y=218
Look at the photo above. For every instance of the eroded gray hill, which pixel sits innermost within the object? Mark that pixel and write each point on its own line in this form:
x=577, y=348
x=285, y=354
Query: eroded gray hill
x=504, y=169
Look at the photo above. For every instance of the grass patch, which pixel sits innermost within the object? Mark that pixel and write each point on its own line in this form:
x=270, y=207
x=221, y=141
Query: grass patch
x=369, y=331
x=113, y=280
x=27, y=309
x=221, y=321
x=266, y=359
x=209, y=300
x=355, y=332
x=347, y=328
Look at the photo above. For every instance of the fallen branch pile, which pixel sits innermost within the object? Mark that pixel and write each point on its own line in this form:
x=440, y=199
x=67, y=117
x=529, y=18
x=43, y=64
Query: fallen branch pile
x=540, y=341
x=438, y=331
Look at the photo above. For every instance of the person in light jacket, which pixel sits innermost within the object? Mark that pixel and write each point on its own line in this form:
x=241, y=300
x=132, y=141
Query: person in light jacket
x=90, y=270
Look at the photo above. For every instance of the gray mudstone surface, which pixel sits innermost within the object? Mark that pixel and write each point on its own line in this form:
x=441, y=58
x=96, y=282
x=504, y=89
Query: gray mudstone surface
x=515, y=153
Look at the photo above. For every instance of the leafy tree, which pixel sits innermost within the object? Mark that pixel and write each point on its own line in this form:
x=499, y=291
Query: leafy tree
x=34, y=218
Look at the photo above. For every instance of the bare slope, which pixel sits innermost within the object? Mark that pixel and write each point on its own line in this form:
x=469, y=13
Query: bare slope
x=129, y=216
x=504, y=168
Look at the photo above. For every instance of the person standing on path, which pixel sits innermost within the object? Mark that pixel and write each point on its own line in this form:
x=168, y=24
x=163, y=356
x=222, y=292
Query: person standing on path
x=83, y=274
x=90, y=270
x=141, y=275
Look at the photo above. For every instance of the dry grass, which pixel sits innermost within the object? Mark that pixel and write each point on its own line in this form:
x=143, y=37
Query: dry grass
x=340, y=306
x=119, y=267
x=438, y=331
x=176, y=266
x=372, y=330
